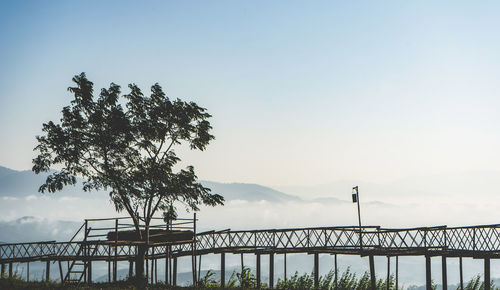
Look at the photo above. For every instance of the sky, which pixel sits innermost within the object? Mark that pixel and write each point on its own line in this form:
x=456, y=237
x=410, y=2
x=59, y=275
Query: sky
x=399, y=97
x=301, y=92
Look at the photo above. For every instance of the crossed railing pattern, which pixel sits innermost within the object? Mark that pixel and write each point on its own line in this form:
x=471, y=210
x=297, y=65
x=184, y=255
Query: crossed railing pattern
x=462, y=240
x=23, y=251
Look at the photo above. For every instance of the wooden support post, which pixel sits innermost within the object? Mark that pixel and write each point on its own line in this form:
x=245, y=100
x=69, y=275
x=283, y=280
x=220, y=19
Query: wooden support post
x=388, y=272
x=242, y=265
x=223, y=270
x=167, y=257
x=152, y=265
x=193, y=255
x=84, y=252
x=271, y=270
x=167, y=280
x=428, y=277
x=170, y=265
x=461, y=273
x=47, y=271
x=28, y=271
x=258, y=270
x=397, y=272
x=146, y=262
x=130, y=269
x=284, y=266
x=175, y=272
x=316, y=270
x=487, y=277
x=61, y=272
x=10, y=270
x=444, y=273
x=336, y=271
x=109, y=264
x=89, y=269
x=199, y=267
x=372, y=272
x=115, y=262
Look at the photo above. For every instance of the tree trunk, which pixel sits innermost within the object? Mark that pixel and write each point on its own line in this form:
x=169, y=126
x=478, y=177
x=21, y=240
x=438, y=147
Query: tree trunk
x=142, y=249
x=139, y=262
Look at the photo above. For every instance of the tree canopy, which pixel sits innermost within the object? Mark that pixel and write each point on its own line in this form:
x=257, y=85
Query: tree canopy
x=125, y=144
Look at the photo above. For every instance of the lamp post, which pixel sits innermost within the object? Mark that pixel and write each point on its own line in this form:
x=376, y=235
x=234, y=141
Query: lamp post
x=355, y=198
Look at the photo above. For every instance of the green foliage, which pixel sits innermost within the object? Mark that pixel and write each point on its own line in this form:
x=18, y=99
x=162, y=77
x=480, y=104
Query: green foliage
x=125, y=144
x=247, y=279
x=126, y=149
x=209, y=281
x=476, y=283
x=244, y=279
x=346, y=281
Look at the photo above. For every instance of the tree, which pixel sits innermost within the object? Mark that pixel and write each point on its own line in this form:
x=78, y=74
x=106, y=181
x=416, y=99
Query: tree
x=128, y=151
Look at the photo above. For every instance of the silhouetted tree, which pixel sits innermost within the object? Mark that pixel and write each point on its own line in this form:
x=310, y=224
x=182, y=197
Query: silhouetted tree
x=127, y=150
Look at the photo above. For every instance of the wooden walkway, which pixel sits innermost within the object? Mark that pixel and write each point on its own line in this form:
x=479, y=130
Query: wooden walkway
x=479, y=242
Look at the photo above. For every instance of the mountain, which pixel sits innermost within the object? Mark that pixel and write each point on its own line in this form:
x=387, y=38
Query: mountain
x=15, y=183
x=4, y=171
x=249, y=192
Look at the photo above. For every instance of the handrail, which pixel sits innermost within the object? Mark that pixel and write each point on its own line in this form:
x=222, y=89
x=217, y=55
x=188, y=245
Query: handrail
x=28, y=243
x=64, y=249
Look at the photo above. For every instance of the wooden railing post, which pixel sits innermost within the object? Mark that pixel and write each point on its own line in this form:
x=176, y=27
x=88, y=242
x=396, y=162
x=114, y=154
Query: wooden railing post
x=474, y=239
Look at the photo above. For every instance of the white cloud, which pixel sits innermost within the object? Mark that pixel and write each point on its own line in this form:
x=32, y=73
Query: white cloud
x=31, y=197
x=9, y=198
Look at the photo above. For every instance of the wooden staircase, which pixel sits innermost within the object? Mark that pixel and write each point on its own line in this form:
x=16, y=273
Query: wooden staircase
x=77, y=269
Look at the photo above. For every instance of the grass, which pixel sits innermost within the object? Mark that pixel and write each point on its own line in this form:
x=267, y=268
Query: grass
x=242, y=280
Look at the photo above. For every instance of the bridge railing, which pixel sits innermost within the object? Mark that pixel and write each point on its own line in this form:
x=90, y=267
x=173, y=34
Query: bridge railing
x=472, y=239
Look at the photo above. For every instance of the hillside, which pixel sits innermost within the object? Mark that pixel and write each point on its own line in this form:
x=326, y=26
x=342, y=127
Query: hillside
x=17, y=184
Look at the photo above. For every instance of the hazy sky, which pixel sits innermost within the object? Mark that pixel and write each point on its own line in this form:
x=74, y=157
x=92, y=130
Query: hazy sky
x=302, y=92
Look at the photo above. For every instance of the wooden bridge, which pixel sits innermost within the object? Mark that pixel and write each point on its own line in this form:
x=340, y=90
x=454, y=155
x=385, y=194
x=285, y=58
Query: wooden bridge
x=91, y=243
